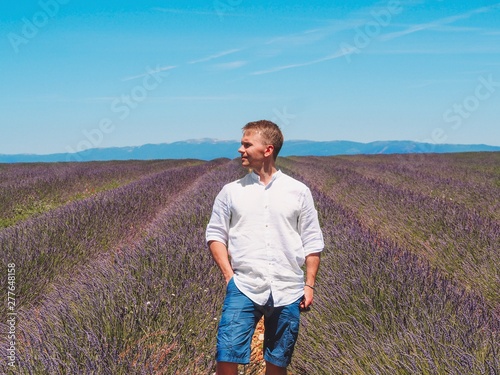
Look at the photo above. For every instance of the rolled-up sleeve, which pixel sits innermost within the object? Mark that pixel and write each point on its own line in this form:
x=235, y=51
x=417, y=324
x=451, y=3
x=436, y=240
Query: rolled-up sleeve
x=218, y=226
x=308, y=225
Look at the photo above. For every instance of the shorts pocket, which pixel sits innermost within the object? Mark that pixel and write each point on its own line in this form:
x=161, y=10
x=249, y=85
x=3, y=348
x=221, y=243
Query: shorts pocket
x=290, y=338
x=230, y=284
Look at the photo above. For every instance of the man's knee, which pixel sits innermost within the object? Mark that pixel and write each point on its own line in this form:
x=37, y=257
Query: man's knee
x=227, y=368
x=274, y=370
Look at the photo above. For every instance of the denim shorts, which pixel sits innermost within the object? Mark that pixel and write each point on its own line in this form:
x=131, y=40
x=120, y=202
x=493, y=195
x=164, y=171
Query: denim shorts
x=240, y=316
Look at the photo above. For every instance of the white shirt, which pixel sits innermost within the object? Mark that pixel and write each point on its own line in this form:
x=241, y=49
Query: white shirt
x=268, y=230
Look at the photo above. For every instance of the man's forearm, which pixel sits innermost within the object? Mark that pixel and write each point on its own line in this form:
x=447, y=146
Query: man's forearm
x=220, y=255
x=312, y=266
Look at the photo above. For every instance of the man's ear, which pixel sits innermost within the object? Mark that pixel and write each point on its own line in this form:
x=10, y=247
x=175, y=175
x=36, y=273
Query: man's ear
x=269, y=150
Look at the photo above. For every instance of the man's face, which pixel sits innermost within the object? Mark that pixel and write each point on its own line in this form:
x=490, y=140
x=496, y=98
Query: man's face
x=254, y=150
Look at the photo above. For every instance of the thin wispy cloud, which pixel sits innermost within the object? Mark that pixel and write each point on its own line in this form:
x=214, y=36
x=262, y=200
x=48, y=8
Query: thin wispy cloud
x=307, y=63
x=215, y=56
x=228, y=97
x=185, y=11
x=437, y=50
x=47, y=98
x=434, y=82
x=229, y=65
x=318, y=35
x=464, y=29
x=310, y=36
x=163, y=99
x=157, y=70
x=438, y=24
x=303, y=37
x=492, y=33
x=101, y=99
x=218, y=11
x=200, y=97
x=334, y=27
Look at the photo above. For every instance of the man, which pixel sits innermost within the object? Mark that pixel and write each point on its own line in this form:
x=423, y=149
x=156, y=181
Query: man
x=263, y=229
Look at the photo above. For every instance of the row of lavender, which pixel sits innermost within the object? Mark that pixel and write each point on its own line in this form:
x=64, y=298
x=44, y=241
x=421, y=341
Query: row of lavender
x=150, y=308
x=470, y=179
x=30, y=189
x=459, y=238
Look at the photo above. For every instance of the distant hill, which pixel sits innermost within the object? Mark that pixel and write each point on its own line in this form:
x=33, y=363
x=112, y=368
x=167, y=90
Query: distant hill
x=208, y=149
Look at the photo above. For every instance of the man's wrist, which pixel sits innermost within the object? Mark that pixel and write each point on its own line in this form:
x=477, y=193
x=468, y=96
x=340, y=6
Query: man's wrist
x=309, y=286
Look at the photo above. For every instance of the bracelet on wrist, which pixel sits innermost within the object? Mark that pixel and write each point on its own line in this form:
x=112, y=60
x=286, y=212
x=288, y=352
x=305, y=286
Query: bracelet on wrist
x=309, y=286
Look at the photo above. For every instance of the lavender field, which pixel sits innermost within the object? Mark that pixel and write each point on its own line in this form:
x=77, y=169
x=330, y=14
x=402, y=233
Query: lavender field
x=112, y=275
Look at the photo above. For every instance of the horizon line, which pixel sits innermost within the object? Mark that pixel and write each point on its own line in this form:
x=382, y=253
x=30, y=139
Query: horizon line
x=205, y=140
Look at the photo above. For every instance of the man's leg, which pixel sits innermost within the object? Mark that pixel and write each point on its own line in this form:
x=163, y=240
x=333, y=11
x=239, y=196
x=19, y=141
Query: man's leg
x=281, y=332
x=275, y=370
x=227, y=368
x=236, y=327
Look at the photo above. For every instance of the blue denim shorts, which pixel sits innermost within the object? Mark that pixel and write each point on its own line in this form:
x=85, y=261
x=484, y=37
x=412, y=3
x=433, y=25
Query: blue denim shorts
x=240, y=316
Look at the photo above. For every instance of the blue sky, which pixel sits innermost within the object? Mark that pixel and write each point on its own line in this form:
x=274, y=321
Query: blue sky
x=78, y=74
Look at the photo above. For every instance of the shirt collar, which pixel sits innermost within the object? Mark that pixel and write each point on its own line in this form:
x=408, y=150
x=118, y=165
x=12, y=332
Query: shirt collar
x=275, y=175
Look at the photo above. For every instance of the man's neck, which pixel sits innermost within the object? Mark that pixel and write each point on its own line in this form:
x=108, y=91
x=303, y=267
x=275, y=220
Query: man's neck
x=266, y=172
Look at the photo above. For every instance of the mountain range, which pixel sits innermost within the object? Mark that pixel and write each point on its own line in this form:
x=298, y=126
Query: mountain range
x=208, y=149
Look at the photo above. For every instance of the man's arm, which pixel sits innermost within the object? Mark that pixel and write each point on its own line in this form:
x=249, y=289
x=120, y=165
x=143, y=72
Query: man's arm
x=312, y=266
x=312, y=241
x=220, y=255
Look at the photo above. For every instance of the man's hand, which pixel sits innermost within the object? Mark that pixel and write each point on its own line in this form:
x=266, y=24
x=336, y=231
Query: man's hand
x=219, y=253
x=307, y=300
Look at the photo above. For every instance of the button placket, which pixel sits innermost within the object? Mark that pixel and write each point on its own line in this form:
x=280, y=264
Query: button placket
x=267, y=230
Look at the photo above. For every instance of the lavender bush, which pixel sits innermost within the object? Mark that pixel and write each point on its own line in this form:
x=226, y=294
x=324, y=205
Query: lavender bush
x=30, y=189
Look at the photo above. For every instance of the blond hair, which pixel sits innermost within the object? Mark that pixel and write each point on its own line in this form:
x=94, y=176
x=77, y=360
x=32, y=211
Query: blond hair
x=270, y=132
